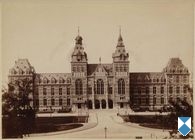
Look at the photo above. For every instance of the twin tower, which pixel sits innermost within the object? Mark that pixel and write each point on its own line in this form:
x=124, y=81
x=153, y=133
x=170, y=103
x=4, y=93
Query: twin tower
x=100, y=85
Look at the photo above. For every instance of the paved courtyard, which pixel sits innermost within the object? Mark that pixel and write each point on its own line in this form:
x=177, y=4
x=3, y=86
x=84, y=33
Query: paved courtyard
x=116, y=128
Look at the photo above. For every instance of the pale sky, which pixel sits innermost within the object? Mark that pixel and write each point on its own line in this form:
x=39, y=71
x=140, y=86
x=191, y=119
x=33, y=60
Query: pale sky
x=44, y=31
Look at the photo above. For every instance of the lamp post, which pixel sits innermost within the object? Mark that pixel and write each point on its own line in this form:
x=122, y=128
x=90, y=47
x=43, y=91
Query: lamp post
x=105, y=129
x=162, y=120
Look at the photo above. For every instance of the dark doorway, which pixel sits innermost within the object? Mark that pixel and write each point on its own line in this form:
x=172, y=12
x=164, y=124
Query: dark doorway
x=103, y=104
x=89, y=104
x=110, y=104
x=121, y=105
x=79, y=105
x=97, y=104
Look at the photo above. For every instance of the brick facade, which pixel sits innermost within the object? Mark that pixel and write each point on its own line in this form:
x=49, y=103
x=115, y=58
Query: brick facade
x=99, y=86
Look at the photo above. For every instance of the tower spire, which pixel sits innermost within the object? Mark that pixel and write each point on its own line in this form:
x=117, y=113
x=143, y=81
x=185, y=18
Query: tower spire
x=78, y=38
x=120, y=30
x=78, y=31
x=100, y=60
x=120, y=39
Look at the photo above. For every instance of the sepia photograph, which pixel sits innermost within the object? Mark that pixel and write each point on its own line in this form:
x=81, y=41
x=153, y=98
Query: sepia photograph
x=97, y=69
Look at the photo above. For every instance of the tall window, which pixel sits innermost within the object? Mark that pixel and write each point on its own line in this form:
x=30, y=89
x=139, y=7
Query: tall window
x=45, y=102
x=52, y=91
x=68, y=91
x=37, y=102
x=121, y=86
x=147, y=90
x=147, y=101
x=185, y=79
x=60, y=91
x=177, y=79
x=139, y=90
x=60, y=101
x=162, y=100
x=171, y=90
x=52, y=101
x=178, y=90
x=68, y=101
x=44, y=91
x=110, y=90
x=154, y=90
x=154, y=100
x=79, y=86
x=89, y=91
x=162, y=90
x=184, y=89
x=100, y=86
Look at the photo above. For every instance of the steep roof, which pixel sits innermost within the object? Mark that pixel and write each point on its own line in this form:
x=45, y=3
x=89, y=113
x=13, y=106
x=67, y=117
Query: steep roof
x=147, y=77
x=92, y=67
x=55, y=77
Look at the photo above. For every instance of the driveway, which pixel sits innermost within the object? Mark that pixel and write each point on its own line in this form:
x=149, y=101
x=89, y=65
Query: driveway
x=115, y=128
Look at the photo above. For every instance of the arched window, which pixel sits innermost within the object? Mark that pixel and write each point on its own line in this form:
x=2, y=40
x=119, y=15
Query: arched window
x=44, y=80
x=53, y=80
x=177, y=79
x=100, y=86
x=52, y=101
x=45, y=102
x=20, y=71
x=60, y=101
x=27, y=71
x=79, y=86
x=121, y=86
x=61, y=80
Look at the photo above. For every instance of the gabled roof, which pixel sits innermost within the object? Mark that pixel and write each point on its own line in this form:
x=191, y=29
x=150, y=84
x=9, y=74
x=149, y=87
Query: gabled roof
x=64, y=77
x=92, y=68
x=146, y=76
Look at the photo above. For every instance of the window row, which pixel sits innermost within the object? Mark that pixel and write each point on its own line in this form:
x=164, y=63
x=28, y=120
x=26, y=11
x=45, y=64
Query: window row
x=54, y=80
x=178, y=78
x=146, y=90
x=121, y=68
x=53, y=102
x=154, y=80
x=45, y=91
x=178, y=90
x=78, y=69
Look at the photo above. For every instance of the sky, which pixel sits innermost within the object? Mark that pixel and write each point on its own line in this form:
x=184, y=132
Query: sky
x=44, y=31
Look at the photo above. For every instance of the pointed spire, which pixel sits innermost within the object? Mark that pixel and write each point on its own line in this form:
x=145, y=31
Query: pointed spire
x=78, y=31
x=78, y=39
x=100, y=60
x=120, y=39
x=120, y=36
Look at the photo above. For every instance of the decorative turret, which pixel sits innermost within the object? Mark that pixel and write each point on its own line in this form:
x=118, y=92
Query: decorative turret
x=175, y=66
x=120, y=53
x=78, y=54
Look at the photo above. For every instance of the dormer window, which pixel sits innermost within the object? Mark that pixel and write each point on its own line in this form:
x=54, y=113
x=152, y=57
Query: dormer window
x=45, y=80
x=27, y=71
x=20, y=71
x=53, y=80
x=61, y=80
x=12, y=71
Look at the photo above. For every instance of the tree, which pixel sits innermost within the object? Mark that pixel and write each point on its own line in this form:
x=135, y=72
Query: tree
x=18, y=114
x=180, y=108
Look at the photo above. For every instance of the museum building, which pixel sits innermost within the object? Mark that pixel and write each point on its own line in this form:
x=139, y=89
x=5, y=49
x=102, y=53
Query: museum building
x=103, y=86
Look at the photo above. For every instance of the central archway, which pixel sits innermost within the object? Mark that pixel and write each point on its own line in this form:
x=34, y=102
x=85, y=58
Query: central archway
x=110, y=104
x=90, y=104
x=103, y=103
x=97, y=104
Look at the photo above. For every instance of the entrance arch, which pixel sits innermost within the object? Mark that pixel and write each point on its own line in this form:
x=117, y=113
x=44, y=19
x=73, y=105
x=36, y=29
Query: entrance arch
x=103, y=103
x=89, y=104
x=110, y=104
x=97, y=104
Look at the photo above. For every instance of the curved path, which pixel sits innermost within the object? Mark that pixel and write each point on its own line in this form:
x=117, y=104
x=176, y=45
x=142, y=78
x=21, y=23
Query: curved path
x=115, y=129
